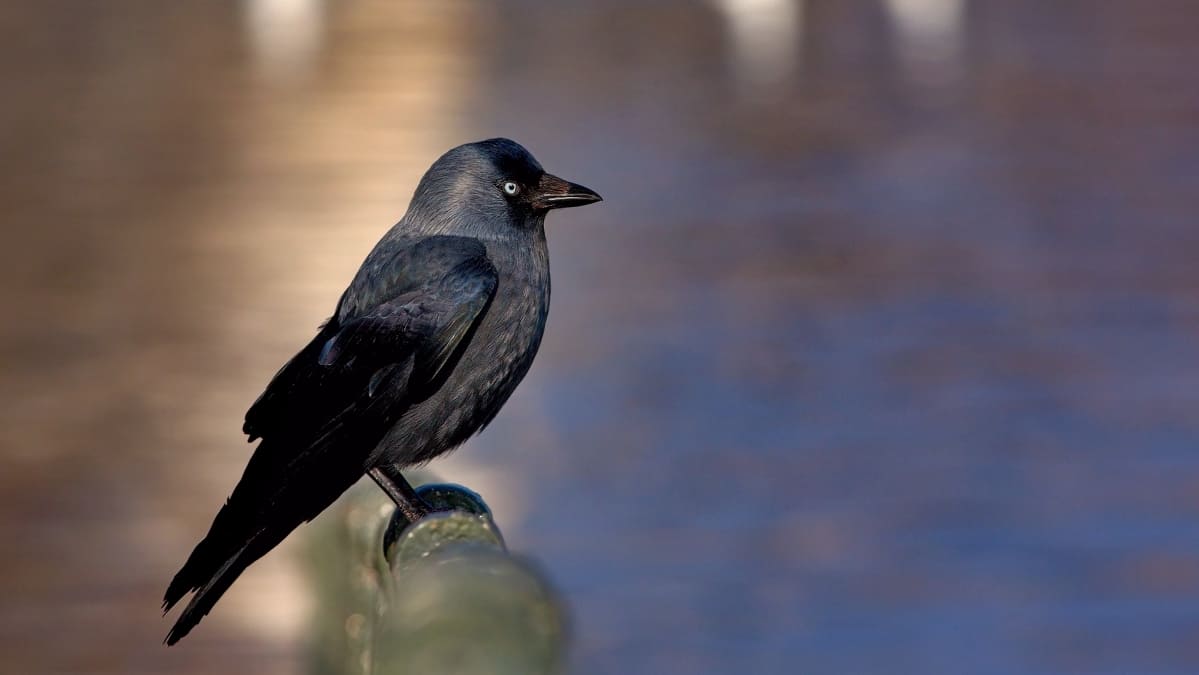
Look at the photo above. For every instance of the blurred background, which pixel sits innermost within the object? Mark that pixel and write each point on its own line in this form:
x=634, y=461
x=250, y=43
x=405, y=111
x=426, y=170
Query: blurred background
x=879, y=356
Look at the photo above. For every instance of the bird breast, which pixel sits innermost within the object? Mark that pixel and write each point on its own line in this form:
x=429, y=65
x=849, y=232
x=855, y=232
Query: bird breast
x=496, y=359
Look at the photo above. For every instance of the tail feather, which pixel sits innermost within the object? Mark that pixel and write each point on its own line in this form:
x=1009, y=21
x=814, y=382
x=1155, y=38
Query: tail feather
x=281, y=488
x=207, y=595
x=234, y=525
x=247, y=528
x=216, y=548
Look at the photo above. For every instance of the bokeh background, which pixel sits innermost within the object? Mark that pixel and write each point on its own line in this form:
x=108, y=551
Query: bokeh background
x=880, y=355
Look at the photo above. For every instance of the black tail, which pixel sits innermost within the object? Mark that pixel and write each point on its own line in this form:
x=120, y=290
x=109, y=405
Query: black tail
x=231, y=531
x=212, y=590
x=271, y=500
x=296, y=472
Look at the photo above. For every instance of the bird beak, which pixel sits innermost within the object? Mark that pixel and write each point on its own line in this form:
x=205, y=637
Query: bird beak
x=555, y=193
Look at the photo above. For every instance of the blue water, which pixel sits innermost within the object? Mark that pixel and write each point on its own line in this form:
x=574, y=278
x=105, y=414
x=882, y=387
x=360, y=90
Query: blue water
x=879, y=355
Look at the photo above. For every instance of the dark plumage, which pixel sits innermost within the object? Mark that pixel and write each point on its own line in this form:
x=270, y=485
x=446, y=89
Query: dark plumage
x=435, y=331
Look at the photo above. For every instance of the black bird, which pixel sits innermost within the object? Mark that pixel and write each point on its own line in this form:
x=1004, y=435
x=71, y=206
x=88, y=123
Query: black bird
x=435, y=331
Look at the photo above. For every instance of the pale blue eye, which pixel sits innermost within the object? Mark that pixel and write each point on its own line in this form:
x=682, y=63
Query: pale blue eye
x=511, y=188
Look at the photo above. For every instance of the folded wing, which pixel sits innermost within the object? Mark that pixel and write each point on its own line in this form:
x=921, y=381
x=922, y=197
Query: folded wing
x=398, y=331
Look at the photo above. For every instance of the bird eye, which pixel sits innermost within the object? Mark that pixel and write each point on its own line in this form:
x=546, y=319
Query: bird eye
x=511, y=188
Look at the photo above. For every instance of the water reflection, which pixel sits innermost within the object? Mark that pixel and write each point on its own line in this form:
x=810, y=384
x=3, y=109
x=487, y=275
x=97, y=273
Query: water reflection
x=286, y=35
x=322, y=194
x=835, y=379
x=766, y=40
x=929, y=38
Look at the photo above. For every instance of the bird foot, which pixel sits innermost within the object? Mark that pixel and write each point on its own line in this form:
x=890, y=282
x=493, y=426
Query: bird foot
x=435, y=499
x=413, y=509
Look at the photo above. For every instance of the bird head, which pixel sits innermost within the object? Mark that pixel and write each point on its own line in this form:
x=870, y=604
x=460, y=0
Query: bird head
x=489, y=184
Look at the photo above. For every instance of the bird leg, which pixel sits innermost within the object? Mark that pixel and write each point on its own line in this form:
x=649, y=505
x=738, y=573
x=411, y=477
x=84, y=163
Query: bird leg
x=396, y=486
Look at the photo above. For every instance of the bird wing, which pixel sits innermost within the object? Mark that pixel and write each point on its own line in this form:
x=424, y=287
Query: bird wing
x=422, y=298
x=326, y=410
x=432, y=321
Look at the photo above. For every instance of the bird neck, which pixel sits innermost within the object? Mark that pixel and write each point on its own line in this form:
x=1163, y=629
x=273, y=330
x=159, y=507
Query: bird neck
x=498, y=230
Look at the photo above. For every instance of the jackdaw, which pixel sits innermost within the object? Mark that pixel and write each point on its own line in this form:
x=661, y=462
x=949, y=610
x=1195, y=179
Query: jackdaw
x=435, y=331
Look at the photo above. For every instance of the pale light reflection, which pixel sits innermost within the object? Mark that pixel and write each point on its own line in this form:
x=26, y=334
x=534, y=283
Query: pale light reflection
x=291, y=242
x=766, y=40
x=285, y=35
x=929, y=38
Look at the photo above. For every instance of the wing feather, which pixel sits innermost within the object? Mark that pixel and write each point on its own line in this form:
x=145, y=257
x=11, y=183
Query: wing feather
x=394, y=334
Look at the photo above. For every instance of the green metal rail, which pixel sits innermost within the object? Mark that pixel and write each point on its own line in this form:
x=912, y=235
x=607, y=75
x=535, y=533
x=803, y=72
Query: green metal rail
x=442, y=595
